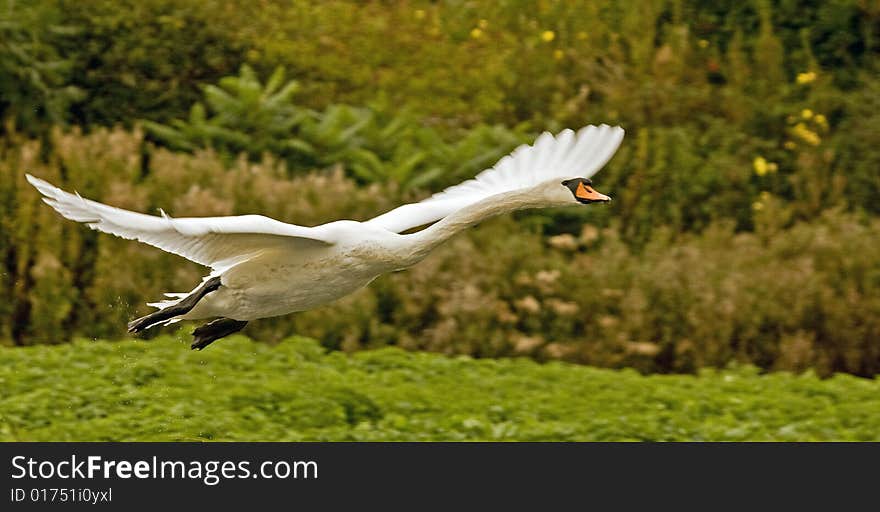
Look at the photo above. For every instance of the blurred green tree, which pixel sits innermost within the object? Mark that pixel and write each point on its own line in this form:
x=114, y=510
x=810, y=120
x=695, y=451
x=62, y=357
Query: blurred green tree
x=35, y=88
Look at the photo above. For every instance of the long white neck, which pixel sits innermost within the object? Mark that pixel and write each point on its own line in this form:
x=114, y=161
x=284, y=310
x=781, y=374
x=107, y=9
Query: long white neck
x=421, y=243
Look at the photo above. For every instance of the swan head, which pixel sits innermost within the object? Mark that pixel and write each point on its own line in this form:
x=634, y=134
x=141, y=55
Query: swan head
x=582, y=191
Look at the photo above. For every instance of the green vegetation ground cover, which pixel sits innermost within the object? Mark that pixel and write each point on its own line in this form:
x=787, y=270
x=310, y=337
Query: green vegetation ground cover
x=294, y=391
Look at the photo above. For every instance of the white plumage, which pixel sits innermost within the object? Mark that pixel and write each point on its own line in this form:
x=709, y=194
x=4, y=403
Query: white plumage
x=567, y=155
x=263, y=267
x=216, y=242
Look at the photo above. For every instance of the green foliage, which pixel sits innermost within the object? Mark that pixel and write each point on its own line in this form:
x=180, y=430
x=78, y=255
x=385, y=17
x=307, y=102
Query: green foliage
x=245, y=117
x=460, y=64
x=397, y=149
x=245, y=391
x=242, y=115
x=557, y=63
x=34, y=78
x=146, y=58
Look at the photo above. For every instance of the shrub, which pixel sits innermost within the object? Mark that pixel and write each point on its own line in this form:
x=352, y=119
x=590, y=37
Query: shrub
x=146, y=58
x=458, y=64
x=244, y=116
x=35, y=79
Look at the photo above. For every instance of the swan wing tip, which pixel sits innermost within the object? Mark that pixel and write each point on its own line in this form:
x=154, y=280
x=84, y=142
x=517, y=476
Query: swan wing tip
x=33, y=180
x=43, y=186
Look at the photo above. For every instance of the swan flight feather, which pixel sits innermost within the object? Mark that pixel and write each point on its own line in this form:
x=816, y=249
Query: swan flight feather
x=216, y=242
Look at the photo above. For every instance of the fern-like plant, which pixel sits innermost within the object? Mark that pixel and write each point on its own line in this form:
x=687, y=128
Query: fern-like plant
x=243, y=115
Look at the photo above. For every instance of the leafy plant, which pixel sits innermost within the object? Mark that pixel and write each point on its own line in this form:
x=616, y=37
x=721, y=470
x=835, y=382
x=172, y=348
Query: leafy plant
x=398, y=149
x=146, y=58
x=242, y=115
x=34, y=77
x=240, y=390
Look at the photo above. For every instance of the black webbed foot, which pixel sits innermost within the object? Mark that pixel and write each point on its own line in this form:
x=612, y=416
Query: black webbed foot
x=214, y=330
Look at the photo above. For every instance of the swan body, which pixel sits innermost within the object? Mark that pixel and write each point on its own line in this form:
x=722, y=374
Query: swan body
x=278, y=282
x=261, y=267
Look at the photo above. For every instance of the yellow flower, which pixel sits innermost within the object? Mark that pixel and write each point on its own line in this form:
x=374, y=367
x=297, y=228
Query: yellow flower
x=772, y=167
x=805, y=78
x=420, y=14
x=558, y=54
x=789, y=145
x=476, y=33
x=821, y=121
x=805, y=134
x=483, y=24
x=581, y=35
x=702, y=43
x=548, y=35
x=760, y=165
x=806, y=113
x=757, y=206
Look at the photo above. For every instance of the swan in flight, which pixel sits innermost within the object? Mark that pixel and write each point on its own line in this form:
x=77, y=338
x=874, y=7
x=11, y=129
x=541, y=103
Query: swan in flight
x=262, y=267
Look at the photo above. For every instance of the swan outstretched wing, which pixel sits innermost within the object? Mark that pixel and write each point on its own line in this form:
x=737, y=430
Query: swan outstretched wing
x=567, y=155
x=216, y=242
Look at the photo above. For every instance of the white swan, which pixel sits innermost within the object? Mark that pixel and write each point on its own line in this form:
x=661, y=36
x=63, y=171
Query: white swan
x=262, y=267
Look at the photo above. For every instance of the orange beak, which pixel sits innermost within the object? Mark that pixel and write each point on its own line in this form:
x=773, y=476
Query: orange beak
x=588, y=193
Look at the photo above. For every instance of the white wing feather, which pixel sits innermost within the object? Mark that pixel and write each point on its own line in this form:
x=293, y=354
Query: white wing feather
x=567, y=155
x=216, y=242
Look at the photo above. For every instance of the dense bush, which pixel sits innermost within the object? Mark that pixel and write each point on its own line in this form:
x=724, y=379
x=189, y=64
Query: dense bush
x=244, y=116
x=462, y=63
x=789, y=295
x=246, y=391
x=145, y=58
x=35, y=88
x=559, y=62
